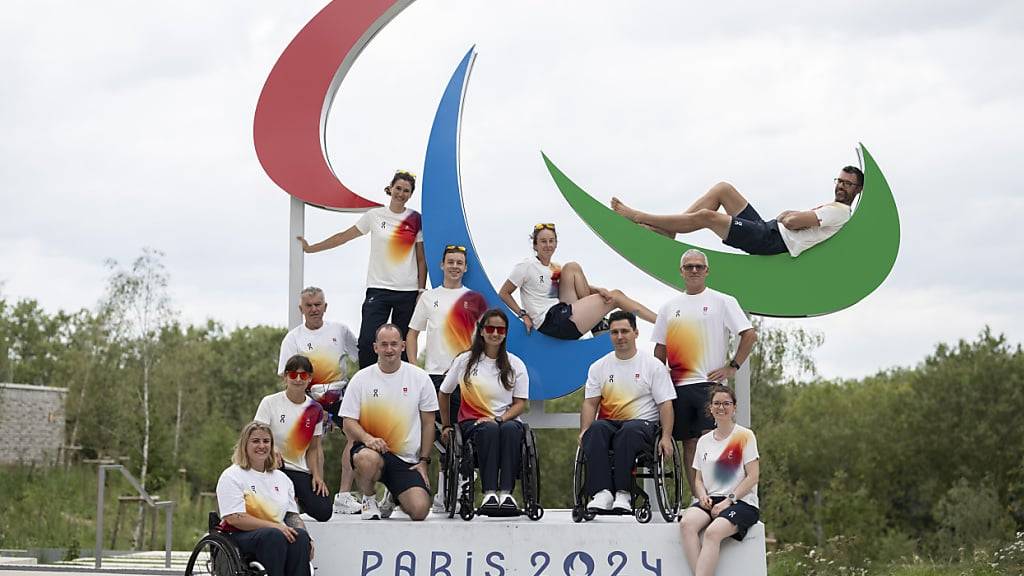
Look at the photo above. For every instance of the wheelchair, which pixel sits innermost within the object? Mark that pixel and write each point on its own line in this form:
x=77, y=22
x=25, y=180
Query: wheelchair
x=217, y=554
x=668, y=486
x=459, y=460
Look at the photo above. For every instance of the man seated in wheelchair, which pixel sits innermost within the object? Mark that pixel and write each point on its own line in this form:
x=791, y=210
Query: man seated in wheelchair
x=494, y=387
x=257, y=504
x=627, y=393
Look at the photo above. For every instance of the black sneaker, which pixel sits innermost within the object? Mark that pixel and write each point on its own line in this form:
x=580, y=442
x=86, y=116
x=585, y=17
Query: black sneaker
x=600, y=328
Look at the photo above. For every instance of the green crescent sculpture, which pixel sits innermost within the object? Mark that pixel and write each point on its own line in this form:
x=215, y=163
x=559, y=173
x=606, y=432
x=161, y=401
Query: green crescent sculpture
x=827, y=278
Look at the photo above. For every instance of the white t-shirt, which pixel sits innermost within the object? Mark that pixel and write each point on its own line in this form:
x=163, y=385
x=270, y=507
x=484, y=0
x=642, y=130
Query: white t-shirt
x=484, y=396
x=393, y=238
x=388, y=406
x=831, y=218
x=449, y=316
x=293, y=426
x=693, y=330
x=538, y=286
x=264, y=495
x=721, y=462
x=329, y=348
x=629, y=389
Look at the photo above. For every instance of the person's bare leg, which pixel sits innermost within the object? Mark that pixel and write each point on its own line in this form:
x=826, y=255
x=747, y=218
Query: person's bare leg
x=694, y=520
x=572, y=283
x=689, y=450
x=416, y=502
x=719, y=530
x=346, y=467
x=701, y=214
x=367, y=466
x=588, y=311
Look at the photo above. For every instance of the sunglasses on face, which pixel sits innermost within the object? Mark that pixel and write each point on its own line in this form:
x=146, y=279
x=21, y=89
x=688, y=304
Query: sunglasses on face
x=299, y=375
x=492, y=329
x=455, y=248
x=544, y=226
x=694, y=267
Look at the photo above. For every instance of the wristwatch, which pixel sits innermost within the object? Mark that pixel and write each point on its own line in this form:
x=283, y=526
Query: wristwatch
x=425, y=459
x=498, y=419
x=732, y=498
x=734, y=364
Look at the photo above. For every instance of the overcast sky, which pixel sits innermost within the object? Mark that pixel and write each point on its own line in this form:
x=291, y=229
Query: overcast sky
x=129, y=124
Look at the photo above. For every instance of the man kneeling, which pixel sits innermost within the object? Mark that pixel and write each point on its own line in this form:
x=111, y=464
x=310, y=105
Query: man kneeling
x=382, y=406
x=626, y=392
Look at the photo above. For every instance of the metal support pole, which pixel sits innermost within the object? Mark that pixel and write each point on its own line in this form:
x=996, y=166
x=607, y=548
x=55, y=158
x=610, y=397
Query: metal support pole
x=741, y=384
x=296, y=227
x=98, y=554
x=168, y=533
x=538, y=419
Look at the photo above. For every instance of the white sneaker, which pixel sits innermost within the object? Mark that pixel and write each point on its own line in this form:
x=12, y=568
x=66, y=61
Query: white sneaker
x=507, y=501
x=438, y=506
x=346, y=503
x=490, y=500
x=369, y=508
x=623, y=501
x=601, y=501
x=387, y=505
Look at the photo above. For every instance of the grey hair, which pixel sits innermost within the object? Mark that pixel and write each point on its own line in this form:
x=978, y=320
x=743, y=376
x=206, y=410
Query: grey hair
x=311, y=291
x=693, y=252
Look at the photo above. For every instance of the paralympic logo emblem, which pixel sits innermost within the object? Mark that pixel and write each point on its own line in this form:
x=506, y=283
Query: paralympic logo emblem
x=288, y=132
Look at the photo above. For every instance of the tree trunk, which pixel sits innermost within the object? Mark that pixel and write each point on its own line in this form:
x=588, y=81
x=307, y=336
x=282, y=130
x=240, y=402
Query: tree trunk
x=139, y=533
x=177, y=425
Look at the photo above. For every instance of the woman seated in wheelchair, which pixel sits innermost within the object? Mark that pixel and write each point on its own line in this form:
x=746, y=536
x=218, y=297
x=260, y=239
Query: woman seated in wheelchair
x=728, y=465
x=627, y=393
x=494, y=387
x=257, y=505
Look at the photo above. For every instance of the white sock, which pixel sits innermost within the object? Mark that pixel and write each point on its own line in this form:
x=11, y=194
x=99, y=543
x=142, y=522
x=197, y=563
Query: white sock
x=502, y=494
x=490, y=493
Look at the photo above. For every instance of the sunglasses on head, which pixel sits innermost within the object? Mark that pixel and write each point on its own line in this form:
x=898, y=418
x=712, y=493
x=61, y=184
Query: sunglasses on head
x=492, y=329
x=455, y=248
x=408, y=173
x=299, y=375
x=544, y=226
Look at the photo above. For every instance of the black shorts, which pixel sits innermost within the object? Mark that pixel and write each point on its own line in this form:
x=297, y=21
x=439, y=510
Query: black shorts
x=558, y=323
x=750, y=233
x=397, y=474
x=741, y=514
x=454, y=401
x=691, y=411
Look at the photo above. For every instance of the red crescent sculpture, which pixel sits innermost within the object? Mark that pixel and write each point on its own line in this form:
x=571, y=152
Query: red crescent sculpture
x=292, y=111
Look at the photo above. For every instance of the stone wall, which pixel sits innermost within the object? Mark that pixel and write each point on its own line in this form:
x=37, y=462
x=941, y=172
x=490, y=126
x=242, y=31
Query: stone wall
x=31, y=424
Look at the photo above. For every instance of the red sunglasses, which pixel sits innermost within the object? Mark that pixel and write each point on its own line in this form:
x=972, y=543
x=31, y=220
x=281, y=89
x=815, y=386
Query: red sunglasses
x=297, y=375
x=492, y=329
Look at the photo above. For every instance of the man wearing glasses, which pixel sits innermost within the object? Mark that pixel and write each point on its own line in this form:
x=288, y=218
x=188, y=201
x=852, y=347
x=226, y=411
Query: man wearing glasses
x=330, y=346
x=740, y=226
x=448, y=314
x=690, y=336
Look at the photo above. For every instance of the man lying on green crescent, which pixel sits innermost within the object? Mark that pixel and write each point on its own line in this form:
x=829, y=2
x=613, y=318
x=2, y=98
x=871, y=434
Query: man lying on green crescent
x=742, y=227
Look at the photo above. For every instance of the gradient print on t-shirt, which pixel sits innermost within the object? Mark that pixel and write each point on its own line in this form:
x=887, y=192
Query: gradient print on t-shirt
x=326, y=367
x=556, y=276
x=616, y=403
x=403, y=238
x=684, y=346
x=262, y=508
x=730, y=460
x=301, y=433
x=476, y=402
x=379, y=420
x=461, y=321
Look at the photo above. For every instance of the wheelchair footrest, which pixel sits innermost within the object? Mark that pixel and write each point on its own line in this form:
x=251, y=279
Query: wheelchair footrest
x=499, y=512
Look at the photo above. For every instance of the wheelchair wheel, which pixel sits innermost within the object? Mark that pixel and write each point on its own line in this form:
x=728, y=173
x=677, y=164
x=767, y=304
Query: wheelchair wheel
x=467, y=499
x=643, y=513
x=453, y=456
x=669, y=486
x=530, y=477
x=215, y=555
x=579, y=483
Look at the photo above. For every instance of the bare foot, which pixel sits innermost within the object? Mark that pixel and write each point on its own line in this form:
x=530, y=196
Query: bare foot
x=658, y=230
x=624, y=210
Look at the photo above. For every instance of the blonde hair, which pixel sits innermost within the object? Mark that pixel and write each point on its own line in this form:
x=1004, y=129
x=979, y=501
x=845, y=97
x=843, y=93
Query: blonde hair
x=241, y=457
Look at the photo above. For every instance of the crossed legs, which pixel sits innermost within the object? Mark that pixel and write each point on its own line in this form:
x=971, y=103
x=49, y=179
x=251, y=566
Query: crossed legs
x=704, y=213
x=591, y=304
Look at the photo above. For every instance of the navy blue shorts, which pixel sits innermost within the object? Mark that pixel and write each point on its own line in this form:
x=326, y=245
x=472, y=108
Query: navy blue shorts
x=741, y=514
x=558, y=323
x=750, y=233
x=397, y=474
x=690, y=406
